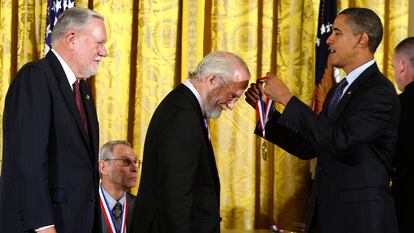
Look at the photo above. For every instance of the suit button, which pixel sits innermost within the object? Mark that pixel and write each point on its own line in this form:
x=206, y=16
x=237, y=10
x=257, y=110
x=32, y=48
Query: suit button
x=319, y=168
x=92, y=199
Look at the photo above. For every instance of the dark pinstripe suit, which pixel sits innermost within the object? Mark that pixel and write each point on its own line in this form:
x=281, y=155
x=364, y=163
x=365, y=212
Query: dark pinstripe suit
x=50, y=173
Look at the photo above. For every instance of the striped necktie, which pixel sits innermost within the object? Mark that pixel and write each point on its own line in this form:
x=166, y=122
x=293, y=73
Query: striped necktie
x=117, y=212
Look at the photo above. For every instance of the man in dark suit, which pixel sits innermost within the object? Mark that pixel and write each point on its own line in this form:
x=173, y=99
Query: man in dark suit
x=118, y=166
x=179, y=190
x=403, y=184
x=50, y=149
x=354, y=139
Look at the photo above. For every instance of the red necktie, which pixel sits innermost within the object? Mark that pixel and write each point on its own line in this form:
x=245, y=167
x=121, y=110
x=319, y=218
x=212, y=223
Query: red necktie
x=78, y=100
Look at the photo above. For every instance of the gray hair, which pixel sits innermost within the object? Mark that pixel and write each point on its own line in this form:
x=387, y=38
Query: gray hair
x=220, y=63
x=72, y=18
x=365, y=20
x=406, y=48
x=105, y=152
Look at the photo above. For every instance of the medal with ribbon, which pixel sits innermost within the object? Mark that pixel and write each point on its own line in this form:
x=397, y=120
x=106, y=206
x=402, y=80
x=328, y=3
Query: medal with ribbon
x=109, y=218
x=263, y=110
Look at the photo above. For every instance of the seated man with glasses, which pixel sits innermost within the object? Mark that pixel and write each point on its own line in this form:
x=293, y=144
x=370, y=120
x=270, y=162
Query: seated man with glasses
x=118, y=166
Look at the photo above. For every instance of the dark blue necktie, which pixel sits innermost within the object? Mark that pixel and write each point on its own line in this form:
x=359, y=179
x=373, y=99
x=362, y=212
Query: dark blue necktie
x=336, y=97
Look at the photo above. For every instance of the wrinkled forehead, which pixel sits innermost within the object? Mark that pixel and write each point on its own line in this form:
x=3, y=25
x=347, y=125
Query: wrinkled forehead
x=121, y=150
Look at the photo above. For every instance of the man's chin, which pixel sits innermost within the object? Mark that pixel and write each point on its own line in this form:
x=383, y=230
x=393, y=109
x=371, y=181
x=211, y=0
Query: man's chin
x=90, y=73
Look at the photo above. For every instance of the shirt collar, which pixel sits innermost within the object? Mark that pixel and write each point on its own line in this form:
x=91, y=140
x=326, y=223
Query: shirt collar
x=68, y=71
x=188, y=84
x=111, y=201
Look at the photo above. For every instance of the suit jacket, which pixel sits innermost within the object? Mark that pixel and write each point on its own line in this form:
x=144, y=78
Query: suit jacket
x=179, y=190
x=350, y=192
x=50, y=173
x=131, y=202
x=403, y=184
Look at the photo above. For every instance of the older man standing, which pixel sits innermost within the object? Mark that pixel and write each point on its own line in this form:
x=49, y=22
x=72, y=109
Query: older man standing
x=180, y=189
x=50, y=148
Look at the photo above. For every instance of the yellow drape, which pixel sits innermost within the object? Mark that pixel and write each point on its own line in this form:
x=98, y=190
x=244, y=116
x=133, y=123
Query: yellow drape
x=153, y=44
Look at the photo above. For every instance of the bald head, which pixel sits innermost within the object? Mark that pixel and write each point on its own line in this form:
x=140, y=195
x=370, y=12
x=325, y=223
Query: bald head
x=403, y=63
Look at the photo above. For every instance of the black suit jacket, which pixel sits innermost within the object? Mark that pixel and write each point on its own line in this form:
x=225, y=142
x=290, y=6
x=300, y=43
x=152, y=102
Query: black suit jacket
x=179, y=190
x=403, y=185
x=354, y=148
x=131, y=203
x=49, y=173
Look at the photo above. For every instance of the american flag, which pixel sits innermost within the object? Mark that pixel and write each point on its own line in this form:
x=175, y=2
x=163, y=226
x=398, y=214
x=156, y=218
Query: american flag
x=324, y=72
x=54, y=9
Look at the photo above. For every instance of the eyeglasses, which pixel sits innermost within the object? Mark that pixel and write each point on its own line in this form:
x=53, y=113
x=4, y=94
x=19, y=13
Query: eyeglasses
x=233, y=96
x=126, y=162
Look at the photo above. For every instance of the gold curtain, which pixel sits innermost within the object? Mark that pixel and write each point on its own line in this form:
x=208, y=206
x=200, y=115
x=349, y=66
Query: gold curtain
x=153, y=44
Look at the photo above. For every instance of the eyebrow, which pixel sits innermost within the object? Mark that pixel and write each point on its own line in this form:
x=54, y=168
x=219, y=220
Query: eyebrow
x=126, y=156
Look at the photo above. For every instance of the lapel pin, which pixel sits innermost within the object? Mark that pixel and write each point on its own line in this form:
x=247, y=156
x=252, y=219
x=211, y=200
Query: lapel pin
x=88, y=97
x=349, y=92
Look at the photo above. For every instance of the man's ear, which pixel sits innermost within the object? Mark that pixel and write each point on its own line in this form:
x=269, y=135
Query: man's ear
x=70, y=39
x=103, y=167
x=363, y=40
x=402, y=65
x=212, y=80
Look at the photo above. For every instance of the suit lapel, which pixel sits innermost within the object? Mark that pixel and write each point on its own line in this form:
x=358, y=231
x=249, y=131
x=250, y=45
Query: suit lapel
x=194, y=103
x=131, y=203
x=68, y=96
x=90, y=111
x=363, y=77
x=104, y=224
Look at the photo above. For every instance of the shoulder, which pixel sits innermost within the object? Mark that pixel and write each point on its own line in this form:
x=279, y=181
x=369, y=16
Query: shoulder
x=376, y=77
x=180, y=105
x=37, y=71
x=32, y=76
x=181, y=96
x=372, y=80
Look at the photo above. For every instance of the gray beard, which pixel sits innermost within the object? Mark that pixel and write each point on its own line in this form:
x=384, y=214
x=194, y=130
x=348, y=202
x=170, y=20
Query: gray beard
x=213, y=114
x=212, y=111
